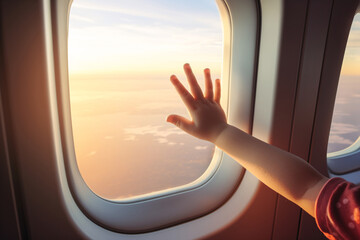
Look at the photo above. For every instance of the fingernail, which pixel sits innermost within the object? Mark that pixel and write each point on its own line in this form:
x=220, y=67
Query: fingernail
x=186, y=65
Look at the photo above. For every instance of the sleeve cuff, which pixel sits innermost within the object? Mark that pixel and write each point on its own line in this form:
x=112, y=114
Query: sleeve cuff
x=322, y=201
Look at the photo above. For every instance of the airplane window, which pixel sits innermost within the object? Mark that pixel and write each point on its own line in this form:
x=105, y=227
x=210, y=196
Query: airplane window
x=121, y=54
x=345, y=127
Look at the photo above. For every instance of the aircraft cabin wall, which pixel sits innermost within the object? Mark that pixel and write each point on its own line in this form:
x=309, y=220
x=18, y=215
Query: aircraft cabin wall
x=281, y=65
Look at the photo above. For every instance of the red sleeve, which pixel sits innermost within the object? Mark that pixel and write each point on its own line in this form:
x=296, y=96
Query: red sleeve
x=337, y=209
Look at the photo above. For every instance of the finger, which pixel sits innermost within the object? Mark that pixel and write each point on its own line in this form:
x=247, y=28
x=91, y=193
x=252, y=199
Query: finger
x=217, y=91
x=181, y=122
x=194, y=86
x=184, y=94
x=208, y=85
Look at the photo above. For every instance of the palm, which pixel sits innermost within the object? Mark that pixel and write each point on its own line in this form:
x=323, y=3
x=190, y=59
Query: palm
x=208, y=118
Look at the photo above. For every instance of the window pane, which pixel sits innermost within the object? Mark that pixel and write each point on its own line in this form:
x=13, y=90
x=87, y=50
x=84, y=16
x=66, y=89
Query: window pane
x=345, y=127
x=121, y=54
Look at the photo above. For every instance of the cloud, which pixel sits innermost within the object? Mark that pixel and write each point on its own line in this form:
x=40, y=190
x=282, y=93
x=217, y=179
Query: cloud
x=134, y=47
x=167, y=13
x=201, y=147
x=88, y=96
x=159, y=35
x=162, y=140
x=143, y=37
x=90, y=154
x=338, y=113
x=165, y=140
x=342, y=128
x=159, y=105
x=130, y=138
x=336, y=139
x=137, y=12
x=156, y=131
x=81, y=18
x=342, y=101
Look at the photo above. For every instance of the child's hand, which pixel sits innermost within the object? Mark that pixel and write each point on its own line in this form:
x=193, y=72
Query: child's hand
x=208, y=118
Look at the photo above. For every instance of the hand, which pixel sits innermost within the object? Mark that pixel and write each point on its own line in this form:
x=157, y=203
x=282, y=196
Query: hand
x=208, y=118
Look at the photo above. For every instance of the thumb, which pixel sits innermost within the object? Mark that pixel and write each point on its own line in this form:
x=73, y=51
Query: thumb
x=181, y=122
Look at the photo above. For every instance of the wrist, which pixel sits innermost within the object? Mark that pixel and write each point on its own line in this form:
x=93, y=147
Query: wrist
x=219, y=130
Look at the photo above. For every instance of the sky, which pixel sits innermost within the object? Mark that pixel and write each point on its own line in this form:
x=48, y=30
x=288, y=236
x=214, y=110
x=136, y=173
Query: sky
x=345, y=128
x=121, y=55
x=118, y=37
x=352, y=56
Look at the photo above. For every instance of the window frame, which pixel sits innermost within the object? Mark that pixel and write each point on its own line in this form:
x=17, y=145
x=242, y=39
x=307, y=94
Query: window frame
x=215, y=187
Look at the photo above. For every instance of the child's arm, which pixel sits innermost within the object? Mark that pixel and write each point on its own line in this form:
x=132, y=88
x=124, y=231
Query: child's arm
x=282, y=171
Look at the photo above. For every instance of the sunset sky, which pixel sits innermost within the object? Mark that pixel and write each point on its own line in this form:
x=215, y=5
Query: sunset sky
x=121, y=54
x=345, y=128
x=351, y=64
